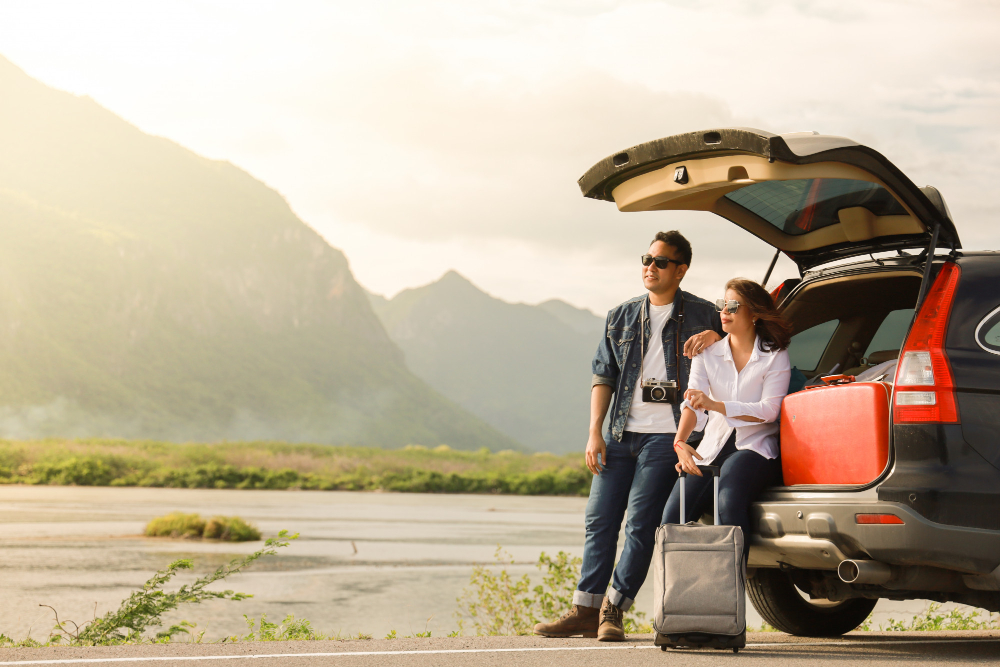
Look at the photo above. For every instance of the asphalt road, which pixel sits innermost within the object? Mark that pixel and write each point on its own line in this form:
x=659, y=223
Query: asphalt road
x=768, y=649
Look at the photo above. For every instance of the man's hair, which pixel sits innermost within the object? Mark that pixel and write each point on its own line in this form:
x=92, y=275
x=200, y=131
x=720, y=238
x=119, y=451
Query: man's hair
x=677, y=240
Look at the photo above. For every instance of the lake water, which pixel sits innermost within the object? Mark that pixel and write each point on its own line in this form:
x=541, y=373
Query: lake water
x=365, y=562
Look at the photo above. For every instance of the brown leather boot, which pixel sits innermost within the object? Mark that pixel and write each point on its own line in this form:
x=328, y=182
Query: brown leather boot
x=577, y=621
x=612, y=628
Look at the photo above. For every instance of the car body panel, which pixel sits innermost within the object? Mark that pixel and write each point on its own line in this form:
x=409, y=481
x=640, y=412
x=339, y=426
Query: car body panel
x=827, y=533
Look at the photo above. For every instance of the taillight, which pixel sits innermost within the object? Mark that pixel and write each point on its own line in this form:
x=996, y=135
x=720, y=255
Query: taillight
x=924, y=387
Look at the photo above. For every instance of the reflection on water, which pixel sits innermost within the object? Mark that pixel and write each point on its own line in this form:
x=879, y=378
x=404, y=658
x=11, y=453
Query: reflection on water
x=365, y=562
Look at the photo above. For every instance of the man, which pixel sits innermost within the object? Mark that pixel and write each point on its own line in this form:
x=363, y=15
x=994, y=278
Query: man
x=633, y=462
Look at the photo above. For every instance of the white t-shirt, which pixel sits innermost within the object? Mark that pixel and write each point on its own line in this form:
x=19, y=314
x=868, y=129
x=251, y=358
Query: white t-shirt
x=652, y=417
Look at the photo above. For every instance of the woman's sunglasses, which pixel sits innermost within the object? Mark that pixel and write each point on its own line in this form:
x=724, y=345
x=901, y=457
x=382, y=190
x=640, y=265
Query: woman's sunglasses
x=661, y=261
x=731, y=306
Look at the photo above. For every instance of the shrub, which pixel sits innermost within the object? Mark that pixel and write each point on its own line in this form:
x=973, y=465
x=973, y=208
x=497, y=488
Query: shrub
x=176, y=524
x=291, y=629
x=931, y=620
x=144, y=609
x=495, y=603
x=225, y=528
x=230, y=529
x=286, y=466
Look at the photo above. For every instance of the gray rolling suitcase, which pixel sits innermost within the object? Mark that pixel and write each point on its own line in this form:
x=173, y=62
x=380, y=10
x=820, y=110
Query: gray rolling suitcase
x=699, y=582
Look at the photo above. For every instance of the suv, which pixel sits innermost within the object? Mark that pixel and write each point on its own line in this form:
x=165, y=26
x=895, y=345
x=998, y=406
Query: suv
x=925, y=524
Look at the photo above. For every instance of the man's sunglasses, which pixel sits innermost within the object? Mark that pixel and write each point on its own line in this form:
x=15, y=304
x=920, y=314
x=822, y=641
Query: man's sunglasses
x=731, y=306
x=661, y=261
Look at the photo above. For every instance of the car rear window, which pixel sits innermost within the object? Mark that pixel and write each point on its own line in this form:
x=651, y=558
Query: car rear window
x=807, y=347
x=891, y=332
x=803, y=205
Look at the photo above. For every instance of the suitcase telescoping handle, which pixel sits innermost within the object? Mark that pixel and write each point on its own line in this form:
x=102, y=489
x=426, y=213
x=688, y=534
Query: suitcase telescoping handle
x=715, y=472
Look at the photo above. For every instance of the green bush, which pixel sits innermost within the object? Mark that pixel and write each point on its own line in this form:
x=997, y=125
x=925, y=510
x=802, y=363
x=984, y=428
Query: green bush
x=496, y=603
x=266, y=466
x=230, y=529
x=225, y=528
x=932, y=620
x=176, y=524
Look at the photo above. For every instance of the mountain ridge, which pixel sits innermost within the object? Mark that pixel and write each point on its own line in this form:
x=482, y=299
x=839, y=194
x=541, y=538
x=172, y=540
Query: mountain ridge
x=522, y=368
x=149, y=292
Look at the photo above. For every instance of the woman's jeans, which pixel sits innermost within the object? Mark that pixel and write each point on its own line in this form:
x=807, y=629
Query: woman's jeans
x=745, y=473
x=638, y=475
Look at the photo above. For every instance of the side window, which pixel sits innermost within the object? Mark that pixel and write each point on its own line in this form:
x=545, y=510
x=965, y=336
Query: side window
x=891, y=332
x=807, y=346
x=988, y=332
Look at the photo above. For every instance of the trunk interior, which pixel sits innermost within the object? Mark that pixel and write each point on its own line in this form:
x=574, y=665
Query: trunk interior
x=853, y=325
x=850, y=324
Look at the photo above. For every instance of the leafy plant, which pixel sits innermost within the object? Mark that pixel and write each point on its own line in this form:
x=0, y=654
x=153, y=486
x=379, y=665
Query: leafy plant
x=145, y=607
x=495, y=603
x=290, y=629
x=931, y=620
x=555, y=594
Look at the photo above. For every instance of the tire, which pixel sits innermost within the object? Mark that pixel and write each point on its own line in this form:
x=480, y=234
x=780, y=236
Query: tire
x=776, y=599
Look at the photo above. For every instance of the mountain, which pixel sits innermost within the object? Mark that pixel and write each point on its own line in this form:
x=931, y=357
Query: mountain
x=524, y=369
x=580, y=320
x=147, y=292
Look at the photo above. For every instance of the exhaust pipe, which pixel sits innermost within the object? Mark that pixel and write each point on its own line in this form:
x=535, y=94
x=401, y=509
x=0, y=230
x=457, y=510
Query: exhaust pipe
x=863, y=572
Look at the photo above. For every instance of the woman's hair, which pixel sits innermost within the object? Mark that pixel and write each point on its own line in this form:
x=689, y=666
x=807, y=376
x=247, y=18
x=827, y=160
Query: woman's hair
x=772, y=329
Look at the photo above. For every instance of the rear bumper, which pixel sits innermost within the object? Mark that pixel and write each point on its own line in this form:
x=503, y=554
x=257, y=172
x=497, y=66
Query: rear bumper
x=818, y=534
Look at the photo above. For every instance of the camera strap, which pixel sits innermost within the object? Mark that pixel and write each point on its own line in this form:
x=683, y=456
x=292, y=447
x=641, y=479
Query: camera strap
x=642, y=338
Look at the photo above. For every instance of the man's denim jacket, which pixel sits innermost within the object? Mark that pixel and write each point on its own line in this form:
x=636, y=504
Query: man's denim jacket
x=619, y=351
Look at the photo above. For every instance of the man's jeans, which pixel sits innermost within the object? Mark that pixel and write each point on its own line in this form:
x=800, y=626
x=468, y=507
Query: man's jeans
x=639, y=475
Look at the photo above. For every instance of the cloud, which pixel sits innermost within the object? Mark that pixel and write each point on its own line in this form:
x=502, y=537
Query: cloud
x=459, y=128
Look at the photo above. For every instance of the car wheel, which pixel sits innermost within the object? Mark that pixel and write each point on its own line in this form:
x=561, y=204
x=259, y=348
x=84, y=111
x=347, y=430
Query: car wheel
x=779, y=602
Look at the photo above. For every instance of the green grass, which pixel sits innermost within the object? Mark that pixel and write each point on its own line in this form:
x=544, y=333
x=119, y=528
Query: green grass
x=225, y=528
x=274, y=465
x=176, y=524
x=230, y=529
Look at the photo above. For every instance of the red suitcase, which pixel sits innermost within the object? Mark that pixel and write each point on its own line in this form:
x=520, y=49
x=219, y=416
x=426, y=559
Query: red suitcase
x=835, y=435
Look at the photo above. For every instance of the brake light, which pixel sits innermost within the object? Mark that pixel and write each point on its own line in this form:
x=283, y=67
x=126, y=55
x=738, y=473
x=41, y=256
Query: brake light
x=881, y=519
x=924, y=387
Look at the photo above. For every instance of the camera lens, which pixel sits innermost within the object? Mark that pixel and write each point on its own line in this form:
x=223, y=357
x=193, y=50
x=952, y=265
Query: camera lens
x=658, y=393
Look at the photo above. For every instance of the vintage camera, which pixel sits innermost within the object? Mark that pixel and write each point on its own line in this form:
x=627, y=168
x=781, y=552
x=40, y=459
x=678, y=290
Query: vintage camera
x=659, y=392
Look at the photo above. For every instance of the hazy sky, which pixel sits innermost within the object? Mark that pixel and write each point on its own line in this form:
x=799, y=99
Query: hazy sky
x=434, y=134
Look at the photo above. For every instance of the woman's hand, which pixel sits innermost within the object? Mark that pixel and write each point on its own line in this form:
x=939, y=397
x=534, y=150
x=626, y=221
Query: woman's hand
x=699, y=342
x=686, y=455
x=699, y=400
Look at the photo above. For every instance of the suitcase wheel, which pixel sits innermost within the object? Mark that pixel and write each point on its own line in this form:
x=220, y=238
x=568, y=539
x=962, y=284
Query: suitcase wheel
x=736, y=650
x=663, y=648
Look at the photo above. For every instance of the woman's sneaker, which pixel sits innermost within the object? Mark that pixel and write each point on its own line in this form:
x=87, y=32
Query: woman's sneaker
x=612, y=628
x=579, y=620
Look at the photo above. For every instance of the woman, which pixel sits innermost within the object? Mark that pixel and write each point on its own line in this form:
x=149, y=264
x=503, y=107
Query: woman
x=740, y=381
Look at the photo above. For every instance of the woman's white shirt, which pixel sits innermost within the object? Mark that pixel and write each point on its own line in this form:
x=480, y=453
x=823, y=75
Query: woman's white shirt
x=756, y=391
